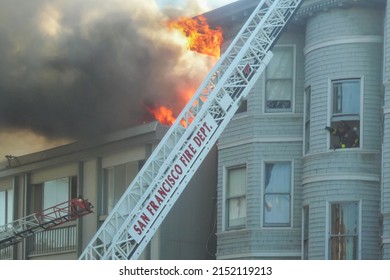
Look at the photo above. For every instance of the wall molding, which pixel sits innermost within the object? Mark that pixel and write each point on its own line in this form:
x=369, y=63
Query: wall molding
x=341, y=177
x=377, y=39
x=262, y=254
x=257, y=140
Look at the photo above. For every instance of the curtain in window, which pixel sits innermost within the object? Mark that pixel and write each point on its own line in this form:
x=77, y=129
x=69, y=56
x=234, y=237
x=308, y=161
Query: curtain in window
x=277, y=194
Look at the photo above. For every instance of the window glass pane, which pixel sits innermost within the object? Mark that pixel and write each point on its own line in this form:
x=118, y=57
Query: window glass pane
x=236, y=197
x=10, y=205
x=237, y=212
x=343, y=248
x=236, y=182
x=306, y=232
x=343, y=242
x=281, y=64
x=277, y=209
x=344, y=219
x=308, y=104
x=109, y=190
x=278, y=94
x=3, y=209
x=346, y=97
x=279, y=80
x=55, y=192
x=277, y=198
x=277, y=177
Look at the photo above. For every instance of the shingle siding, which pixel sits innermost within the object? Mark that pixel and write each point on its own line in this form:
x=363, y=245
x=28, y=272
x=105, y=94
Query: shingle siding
x=340, y=43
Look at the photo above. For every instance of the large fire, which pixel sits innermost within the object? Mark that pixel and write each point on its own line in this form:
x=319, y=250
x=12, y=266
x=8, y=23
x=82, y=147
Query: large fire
x=200, y=38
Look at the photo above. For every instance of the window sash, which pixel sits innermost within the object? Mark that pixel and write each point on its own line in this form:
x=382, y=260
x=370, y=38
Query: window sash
x=3, y=208
x=279, y=80
x=277, y=194
x=236, y=203
x=346, y=97
x=236, y=211
x=344, y=231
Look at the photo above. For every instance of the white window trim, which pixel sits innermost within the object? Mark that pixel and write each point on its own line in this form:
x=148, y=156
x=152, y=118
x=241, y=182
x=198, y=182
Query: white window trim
x=264, y=111
x=262, y=192
x=327, y=226
x=330, y=109
x=224, y=196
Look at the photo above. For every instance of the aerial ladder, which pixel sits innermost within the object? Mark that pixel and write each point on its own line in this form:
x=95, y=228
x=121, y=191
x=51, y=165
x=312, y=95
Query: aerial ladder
x=41, y=220
x=135, y=218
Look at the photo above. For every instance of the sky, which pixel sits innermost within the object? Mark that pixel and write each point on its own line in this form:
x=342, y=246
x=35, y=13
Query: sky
x=71, y=69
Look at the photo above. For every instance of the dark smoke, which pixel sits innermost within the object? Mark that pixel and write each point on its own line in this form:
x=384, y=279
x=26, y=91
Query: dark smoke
x=88, y=78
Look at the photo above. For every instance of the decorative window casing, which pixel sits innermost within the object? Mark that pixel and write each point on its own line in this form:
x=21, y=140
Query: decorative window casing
x=277, y=194
x=235, y=193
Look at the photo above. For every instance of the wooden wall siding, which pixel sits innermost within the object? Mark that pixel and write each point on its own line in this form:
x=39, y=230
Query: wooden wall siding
x=271, y=243
x=345, y=44
x=386, y=143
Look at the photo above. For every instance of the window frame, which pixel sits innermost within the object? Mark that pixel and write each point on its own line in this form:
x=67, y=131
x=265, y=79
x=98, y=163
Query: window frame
x=307, y=120
x=225, y=212
x=38, y=192
x=113, y=192
x=8, y=205
x=348, y=117
x=305, y=231
x=267, y=110
x=291, y=196
x=329, y=226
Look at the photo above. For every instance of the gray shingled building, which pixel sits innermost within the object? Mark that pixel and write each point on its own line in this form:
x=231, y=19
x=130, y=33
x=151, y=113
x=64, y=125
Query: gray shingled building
x=286, y=189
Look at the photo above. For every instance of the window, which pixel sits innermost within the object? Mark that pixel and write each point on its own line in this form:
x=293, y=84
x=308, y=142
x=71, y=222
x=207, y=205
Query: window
x=116, y=179
x=6, y=206
x=305, y=234
x=243, y=107
x=346, y=108
x=236, y=197
x=307, y=119
x=53, y=192
x=279, y=80
x=277, y=194
x=344, y=231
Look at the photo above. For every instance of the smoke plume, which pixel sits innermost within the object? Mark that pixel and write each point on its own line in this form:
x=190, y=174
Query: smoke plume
x=71, y=69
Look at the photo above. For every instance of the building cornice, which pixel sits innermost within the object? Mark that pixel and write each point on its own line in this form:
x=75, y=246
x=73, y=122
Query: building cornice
x=309, y=9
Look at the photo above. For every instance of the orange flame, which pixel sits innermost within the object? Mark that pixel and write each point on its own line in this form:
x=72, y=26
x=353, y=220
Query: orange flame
x=201, y=38
x=163, y=114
